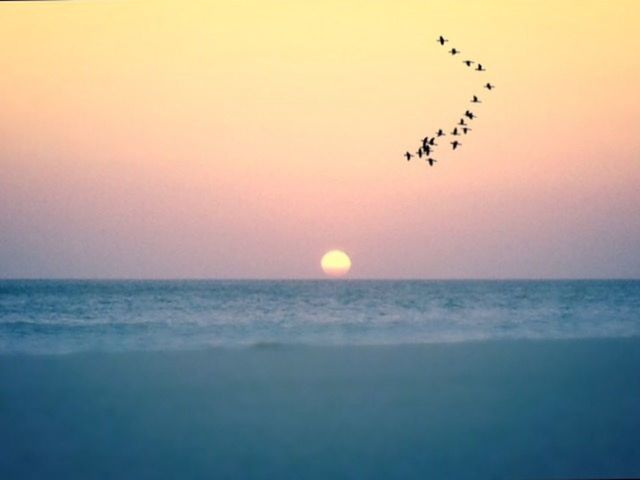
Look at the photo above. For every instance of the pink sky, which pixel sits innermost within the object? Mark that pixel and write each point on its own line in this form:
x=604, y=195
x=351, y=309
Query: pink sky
x=245, y=139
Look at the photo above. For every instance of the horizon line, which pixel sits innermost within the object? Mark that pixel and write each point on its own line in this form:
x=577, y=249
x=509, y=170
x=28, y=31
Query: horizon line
x=328, y=279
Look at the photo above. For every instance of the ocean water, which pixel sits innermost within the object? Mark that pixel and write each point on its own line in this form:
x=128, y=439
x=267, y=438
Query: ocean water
x=69, y=316
x=319, y=379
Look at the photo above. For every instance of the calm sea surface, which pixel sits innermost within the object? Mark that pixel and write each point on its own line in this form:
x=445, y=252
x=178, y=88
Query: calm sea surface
x=67, y=316
x=144, y=396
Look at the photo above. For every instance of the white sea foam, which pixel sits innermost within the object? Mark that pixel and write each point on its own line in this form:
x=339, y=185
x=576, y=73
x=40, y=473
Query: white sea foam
x=67, y=316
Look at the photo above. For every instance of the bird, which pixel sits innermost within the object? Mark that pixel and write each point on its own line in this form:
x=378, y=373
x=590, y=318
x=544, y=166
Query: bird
x=461, y=128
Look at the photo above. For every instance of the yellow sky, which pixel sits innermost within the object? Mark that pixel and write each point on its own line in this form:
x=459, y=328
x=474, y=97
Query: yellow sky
x=244, y=139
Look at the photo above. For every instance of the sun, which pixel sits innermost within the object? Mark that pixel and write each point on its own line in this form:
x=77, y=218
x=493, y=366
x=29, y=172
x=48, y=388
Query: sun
x=335, y=263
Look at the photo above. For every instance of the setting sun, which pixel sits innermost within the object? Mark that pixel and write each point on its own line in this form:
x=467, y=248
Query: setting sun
x=336, y=263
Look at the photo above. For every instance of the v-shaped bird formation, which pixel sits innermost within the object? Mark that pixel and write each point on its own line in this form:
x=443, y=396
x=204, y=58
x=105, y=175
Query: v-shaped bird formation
x=461, y=128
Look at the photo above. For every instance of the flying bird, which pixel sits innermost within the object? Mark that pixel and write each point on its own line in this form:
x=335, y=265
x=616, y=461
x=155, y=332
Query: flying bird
x=461, y=128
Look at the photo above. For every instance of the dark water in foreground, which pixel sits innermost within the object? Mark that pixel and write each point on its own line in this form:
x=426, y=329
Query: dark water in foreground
x=316, y=380
x=495, y=409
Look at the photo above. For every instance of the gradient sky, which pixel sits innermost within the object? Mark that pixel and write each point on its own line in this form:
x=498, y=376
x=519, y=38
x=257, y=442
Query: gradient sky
x=244, y=139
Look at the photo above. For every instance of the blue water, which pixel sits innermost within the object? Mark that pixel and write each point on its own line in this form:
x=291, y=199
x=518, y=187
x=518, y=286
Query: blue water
x=69, y=316
x=359, y=379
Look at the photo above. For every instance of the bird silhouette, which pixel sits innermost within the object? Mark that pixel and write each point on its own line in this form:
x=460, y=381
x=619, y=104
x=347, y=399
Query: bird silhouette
x=461, y=128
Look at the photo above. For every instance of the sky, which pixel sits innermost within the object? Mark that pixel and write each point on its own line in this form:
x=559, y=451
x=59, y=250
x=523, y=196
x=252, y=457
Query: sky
x=224, y=139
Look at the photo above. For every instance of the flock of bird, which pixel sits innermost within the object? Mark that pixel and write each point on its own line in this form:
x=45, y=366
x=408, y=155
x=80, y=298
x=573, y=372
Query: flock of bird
x=461, y=128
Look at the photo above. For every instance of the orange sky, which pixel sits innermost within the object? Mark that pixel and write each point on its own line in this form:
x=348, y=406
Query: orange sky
x=245, y=139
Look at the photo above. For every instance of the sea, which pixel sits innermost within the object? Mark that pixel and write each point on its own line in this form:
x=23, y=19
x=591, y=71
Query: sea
x=344, y=379
x=63, y=316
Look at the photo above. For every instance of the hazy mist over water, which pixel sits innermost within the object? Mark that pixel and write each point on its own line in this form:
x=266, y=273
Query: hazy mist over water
x=66, y=316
